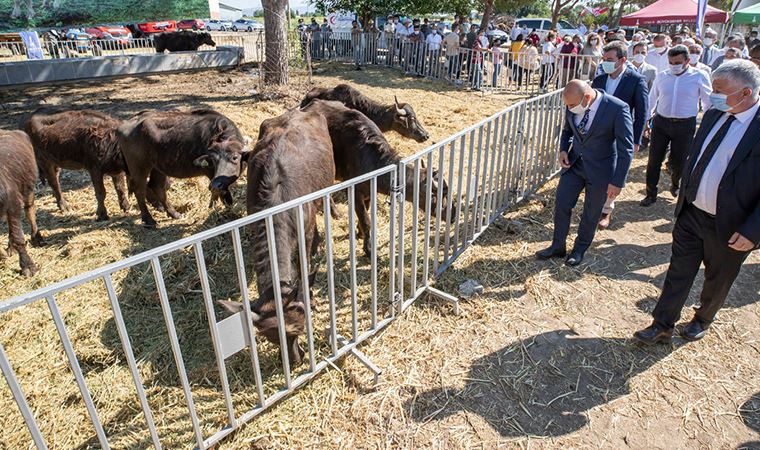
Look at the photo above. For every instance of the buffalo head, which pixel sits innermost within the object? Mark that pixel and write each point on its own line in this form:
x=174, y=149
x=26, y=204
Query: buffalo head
x=264, y=317
x=205, y=39
x=406, y=124
x=223, y=163
x=436, y=187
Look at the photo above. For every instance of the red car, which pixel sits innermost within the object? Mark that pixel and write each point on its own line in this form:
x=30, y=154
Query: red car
x=167, y=26
x=110, y=33
x=191, y=24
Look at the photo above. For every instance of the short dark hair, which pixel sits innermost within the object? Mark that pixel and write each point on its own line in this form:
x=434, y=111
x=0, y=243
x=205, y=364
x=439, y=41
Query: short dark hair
x=640, y=44
x=620, y=49
x=679, y=50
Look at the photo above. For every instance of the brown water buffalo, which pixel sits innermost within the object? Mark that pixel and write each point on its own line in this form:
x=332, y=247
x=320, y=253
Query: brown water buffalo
x=182, y=41
x=181, y=144
x=359, y=147
x=292, y=158
x=399, y=117
x=78, y=140
x=18, y=173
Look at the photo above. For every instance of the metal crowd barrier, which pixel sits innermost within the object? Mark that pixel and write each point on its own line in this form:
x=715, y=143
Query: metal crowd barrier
x=486, y=168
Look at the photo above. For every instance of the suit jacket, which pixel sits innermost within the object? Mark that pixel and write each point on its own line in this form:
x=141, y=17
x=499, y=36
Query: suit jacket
x=633, y=90
x=607, y=147
x=708, y=53
x=649, y=72
x=718, y=61
x=739, y=190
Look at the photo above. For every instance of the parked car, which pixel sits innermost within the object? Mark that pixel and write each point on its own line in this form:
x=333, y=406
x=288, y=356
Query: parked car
x=497, y=35
x=148, y=28
x=218, y=25
x=77, y=39
x=543, y=26
x=246, y=25
x=117, y=34
x=191, y=24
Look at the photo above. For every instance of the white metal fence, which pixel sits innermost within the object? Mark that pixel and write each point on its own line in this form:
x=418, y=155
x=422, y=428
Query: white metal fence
x=479, y=172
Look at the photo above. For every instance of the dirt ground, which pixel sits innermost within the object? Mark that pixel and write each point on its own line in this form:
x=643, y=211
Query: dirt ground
x=542, y=359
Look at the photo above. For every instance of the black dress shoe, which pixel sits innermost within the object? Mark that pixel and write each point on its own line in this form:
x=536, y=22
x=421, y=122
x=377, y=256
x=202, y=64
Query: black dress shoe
x=694, y=330
x=653, y=334
x=551, y=252
x=648, y=201
x=574, y=259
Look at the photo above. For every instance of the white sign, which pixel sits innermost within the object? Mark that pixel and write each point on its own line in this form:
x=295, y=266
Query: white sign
x=341, y=19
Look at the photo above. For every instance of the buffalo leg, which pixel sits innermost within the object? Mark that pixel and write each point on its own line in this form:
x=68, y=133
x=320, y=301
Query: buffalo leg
x=295, y=353
x=151, y=194
x=17, y=242
x=100, y=194
x=121, y=191
x=139, y=183
x=51, y=175
x=363, y=222
x=30, y=210
x=158, y=184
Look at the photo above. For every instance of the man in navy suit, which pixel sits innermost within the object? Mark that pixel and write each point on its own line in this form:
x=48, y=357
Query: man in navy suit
x=718, y=209
x=625, y=83
x=596, y=148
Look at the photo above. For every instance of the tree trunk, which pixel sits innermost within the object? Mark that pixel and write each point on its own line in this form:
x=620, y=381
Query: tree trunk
x=556, y=9
x=276, y=42
x=487, y=11
x=16, y=13
x=615, y=19
x=29, y=10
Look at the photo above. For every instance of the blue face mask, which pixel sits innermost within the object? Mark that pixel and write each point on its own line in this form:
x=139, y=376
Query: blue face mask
x=608, y=67
x=719, y=101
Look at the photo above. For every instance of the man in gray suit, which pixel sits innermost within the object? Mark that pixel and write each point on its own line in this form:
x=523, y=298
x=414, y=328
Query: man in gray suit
x=596, y=148
x=642, y=66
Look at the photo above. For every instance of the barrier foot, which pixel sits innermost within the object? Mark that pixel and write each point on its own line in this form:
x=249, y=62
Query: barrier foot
x=376, y=371
x=447, y=297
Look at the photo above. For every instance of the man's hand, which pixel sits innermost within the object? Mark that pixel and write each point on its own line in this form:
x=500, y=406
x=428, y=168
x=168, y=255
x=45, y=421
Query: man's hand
x=636, y=148
x=613, y=191
x=740, y=243
x=564, y=160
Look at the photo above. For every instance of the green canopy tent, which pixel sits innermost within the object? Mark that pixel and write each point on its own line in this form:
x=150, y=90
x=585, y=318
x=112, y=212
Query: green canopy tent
x=749, y=15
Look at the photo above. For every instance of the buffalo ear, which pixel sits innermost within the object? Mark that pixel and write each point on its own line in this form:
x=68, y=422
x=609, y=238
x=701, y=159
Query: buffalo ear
x=202, y=161
x=245, y=156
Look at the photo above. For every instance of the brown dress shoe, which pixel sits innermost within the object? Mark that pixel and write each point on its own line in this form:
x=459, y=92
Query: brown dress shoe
x=604, y=221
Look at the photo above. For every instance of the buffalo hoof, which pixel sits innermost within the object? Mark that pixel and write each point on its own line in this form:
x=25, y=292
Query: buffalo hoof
x=38, y=240
x=64, y=207
x=149, y=223
x=29, y=270
x=124, y=206
x=102, y=216
x=173, y=214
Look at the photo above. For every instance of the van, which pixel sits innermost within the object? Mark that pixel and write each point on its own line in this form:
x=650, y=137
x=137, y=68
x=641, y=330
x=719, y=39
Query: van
x=543, y=26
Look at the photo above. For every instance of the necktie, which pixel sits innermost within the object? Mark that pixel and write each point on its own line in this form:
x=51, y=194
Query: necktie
x=699, y=170
x=584, y=121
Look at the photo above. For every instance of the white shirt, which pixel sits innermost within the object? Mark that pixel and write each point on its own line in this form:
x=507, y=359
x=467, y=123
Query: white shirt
x=612, y=83
x=434, y=41
x=401, y=30
x=591, y=112
x=659, y=61
x=704, y=68
x=678, y=97
x=707, y=195
x=549, y=48
x=513, y=34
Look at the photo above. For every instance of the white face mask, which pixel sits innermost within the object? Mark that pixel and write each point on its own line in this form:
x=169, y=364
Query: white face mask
x=677, y=69
x=708, y=41
x=639, y=58
x=693, y=59
x=579, y=108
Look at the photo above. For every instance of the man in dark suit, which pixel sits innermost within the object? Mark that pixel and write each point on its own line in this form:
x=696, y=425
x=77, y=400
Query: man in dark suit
x=625, y=83
x=718, y=209
x=596, y=148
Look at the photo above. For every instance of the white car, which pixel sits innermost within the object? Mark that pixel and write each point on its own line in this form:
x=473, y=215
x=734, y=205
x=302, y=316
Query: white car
x=247, y=25
x=543, y=26
x=218, y=25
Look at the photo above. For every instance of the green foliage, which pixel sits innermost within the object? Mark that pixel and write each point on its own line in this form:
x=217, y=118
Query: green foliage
x=75, y=12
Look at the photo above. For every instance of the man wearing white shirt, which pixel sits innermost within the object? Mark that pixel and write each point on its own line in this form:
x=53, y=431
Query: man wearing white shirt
x=718, y=211
x=675, y=96
x=695, y=56
x=433, y=43
x=658, y=54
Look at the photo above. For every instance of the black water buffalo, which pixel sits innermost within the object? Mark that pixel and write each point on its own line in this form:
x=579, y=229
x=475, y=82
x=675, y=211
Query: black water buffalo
x=399, y=117
x=359, y=147
x=78, y=140
x=181, y=144
x=182, y=41
x=292, y=158
x=18, y=174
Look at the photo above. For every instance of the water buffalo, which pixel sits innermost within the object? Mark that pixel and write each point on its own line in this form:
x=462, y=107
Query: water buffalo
x=182, y=41
x=359, y=147
x=18, y=173
x=78, y=140
x=292, y=158
x=399, y=117
x=181, y=144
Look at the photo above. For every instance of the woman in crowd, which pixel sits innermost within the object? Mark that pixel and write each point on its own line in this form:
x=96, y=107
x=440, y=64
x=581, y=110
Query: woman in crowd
x=527, y=62
x=592, y=54
x=547, y=59
x=514, y=48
